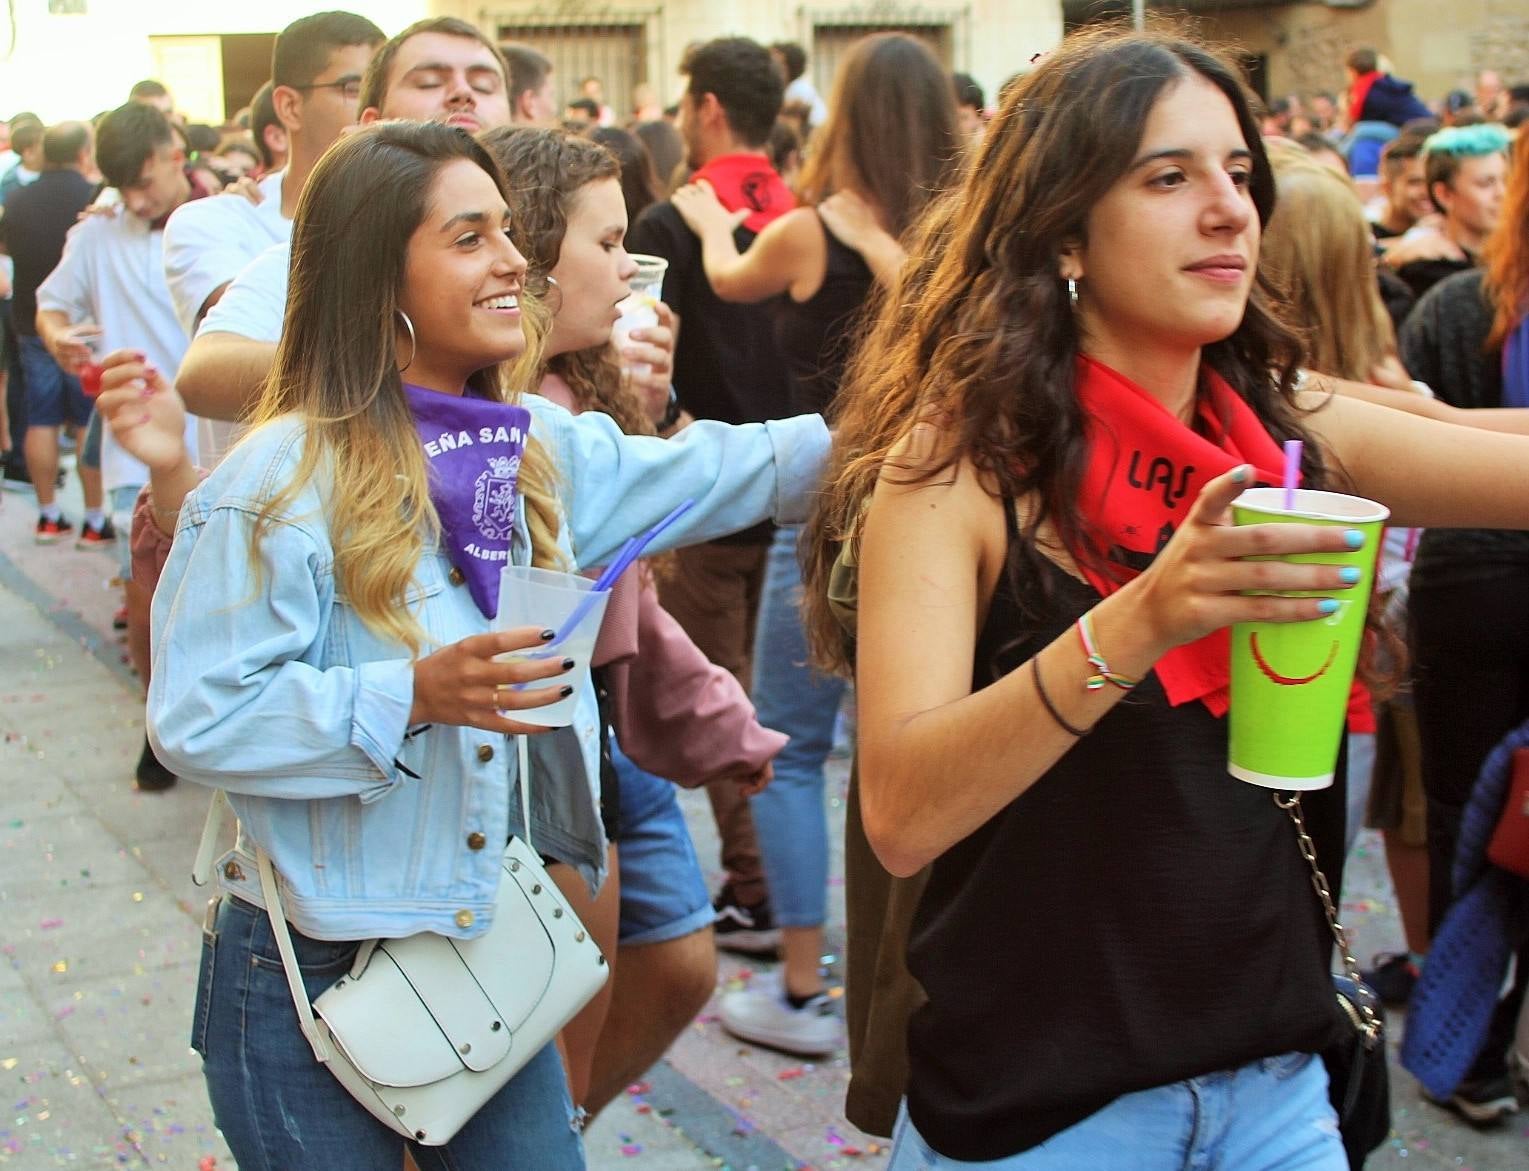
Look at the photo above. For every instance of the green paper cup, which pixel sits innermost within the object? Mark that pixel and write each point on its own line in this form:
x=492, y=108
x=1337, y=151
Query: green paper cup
x=1291, y=680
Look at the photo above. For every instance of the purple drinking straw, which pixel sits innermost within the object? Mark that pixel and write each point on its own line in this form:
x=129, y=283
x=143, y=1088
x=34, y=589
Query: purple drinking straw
x=1292, y=471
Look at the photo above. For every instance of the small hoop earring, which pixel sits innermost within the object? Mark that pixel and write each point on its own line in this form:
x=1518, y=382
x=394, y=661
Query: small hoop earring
x=552, y=280
x=1072, y=291
x=413, y=342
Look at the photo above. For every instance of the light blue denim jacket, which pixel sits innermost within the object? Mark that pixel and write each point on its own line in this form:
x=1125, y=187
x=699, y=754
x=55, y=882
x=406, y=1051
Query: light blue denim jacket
x=271, y=688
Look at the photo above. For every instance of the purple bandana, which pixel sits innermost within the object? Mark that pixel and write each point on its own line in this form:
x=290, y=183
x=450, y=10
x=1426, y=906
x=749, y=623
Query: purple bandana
x=473, y=448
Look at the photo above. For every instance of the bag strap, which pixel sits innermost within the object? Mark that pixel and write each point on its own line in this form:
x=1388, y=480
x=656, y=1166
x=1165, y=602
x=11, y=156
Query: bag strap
x=273, y=907
x=1371, y=1026
x=300, y=1001
x=218, y=813
x=523, y=755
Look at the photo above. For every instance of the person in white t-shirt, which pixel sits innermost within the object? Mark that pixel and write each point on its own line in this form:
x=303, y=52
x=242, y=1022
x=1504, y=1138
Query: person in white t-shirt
x=316, y=70
x=111, y=275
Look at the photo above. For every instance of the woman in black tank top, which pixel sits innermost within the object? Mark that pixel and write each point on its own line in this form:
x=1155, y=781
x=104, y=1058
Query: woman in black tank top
x=1124, y=960
x=890, y=143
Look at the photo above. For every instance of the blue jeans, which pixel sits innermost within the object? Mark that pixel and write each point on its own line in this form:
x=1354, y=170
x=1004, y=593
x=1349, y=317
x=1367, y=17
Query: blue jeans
x=280, y=1110
x=1269, y=1115
x=663, y=893
x=789, y=818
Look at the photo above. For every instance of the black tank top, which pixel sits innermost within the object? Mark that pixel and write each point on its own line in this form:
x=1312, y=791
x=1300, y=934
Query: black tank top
x=1135, y=918
x=814, y=336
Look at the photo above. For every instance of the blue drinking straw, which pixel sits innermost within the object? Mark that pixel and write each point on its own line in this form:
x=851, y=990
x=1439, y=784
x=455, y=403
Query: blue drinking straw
x=630, y=552
x=1292, y=471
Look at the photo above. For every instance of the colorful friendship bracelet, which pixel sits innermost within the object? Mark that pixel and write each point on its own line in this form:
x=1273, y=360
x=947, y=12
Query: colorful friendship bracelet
x=1103, y=673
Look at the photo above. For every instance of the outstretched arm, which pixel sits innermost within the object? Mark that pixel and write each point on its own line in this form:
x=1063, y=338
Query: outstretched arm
x=1430, y=474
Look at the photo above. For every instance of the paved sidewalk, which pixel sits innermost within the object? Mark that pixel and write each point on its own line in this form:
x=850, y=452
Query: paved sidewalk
x=99, y=952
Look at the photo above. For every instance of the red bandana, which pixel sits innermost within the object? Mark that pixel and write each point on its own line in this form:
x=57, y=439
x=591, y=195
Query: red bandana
x=1145, y=471
x=1357, y=95
x=742, y=181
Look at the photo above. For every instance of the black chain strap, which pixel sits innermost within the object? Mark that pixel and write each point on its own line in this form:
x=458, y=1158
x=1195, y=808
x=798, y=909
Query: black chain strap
x=1371, y=1028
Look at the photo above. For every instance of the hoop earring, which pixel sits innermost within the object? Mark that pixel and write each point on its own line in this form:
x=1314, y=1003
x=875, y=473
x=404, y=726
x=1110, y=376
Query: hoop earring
x=1072, y=291
x=413, y=341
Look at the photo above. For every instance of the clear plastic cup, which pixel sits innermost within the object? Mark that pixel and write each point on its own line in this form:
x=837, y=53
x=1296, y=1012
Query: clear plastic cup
x=640, y=309
x=545, y=598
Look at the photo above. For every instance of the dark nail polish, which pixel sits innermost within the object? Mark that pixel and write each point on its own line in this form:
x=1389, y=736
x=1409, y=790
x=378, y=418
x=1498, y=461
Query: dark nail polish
x=547, y=635
x=568, y=664
x=565, y=691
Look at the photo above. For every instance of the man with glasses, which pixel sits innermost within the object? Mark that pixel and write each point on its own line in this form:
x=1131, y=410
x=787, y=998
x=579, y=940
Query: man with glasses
x=317, y=67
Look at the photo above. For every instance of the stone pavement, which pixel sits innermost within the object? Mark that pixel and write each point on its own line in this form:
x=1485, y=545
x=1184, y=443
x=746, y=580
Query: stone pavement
x=99, y=951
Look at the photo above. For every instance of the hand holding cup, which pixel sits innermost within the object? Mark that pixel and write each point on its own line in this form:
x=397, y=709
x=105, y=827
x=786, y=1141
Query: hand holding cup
x=468, y=684
x=1205, y=579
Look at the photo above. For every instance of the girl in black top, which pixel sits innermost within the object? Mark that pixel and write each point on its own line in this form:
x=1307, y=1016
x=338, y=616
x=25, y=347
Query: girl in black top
x=890, y=143
x=1122, y=952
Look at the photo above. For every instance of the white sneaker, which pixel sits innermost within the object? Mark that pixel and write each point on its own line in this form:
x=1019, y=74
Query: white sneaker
x=764, y=1015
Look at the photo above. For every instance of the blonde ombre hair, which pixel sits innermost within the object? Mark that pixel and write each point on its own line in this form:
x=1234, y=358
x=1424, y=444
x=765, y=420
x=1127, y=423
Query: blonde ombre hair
x=336, y=371
x=1319, y=250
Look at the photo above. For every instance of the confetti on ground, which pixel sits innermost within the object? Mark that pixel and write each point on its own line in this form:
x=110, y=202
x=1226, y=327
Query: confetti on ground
x=50, y=924
x=791, y=1073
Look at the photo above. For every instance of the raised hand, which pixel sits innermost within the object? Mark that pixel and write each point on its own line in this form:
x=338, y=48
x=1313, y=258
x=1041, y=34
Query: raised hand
x=146, y=416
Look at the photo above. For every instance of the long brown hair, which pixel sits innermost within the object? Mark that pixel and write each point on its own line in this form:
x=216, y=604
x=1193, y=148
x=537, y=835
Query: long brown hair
x=547, y=170
x=1319, y=250
x=336, y=370
x=981, y=338
x=1506, y=254
x=891, y=134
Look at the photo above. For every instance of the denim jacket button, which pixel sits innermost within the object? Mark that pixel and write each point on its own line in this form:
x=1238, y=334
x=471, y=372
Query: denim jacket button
x=485, y=753
x=476, y=841
x=456, y=577
x=464, y=918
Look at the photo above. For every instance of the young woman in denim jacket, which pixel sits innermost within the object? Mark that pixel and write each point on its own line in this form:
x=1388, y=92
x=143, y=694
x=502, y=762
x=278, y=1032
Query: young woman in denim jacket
x=298, y=617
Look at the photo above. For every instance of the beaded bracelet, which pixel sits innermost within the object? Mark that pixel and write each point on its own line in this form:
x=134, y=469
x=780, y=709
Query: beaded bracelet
x=1103, y=674
x=1040, y=689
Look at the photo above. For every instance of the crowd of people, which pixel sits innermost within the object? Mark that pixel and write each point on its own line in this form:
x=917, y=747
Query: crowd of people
x=290, y=353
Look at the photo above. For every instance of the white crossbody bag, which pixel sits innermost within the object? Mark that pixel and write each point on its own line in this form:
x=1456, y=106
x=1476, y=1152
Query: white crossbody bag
x=424, y=1030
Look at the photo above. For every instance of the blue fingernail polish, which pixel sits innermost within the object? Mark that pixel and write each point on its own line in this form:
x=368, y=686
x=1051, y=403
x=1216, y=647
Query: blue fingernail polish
x=1239, y=474
x=1351, y=574
x=1328, y=606
x=1354, y=539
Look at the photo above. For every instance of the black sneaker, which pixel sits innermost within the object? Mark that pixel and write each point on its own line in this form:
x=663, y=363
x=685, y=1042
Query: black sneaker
x=52, y=530
x=1483, y=1102
x=749, y=930
x=102, y=536
x=151, y=775
x=1393, y=978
